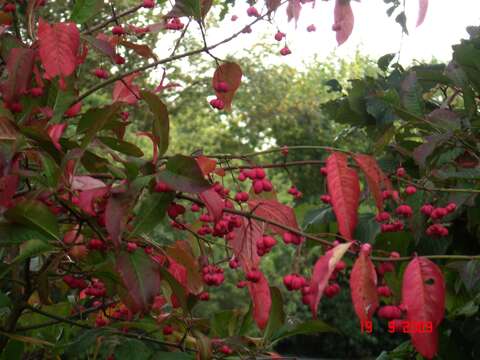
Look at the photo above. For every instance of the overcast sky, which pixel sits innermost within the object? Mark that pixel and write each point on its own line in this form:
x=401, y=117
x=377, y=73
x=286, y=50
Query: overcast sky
x=374, y=33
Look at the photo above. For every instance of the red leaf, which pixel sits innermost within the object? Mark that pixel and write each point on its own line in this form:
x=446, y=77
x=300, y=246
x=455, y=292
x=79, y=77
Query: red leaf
x=125, y=91
x=214, y=203
x=154, y=142
x=423, y=295
x=293, y=10
x=55, y=132
x=230, y=73
x=261, y=300
x=20, y=67
x=206, y=164
x=116, y=217
x=275, y=211
x=58, y=45
x=8, y=187
x=363, y=287
x=141, y=277
x=89, y=189
x=344, y=190
x=324, y=267
x=375, y=177
x=244, y=243
x=422, y=11
x=272, y=5
x=343, y=20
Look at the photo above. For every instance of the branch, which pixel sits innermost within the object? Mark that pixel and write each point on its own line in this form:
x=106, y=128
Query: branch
x=113, y=19
x=162, y=61
x=113, y=332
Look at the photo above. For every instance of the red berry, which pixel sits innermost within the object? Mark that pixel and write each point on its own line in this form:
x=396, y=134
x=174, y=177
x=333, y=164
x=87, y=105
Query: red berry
x=323, y=171
x=253, y=275
x=217, y=104
x=438, y=213
x=234, y=18
x=401, y=172
x=131, y=246
x=119, y=60
x=384, y=291
x=258, y=186
x=101, y=73
x=410, y=190
x=118, y=30
x=326, y=199
x=167, y=330
x=285, y=51
x=311, y=28
x=9, y=7
x=279, y=36
x=284, y=150
x=451, y=207
x=382, y=217
x=332, y=290
x=204, y=296
x=15, y=107
x=148, y=4
x=252, y=11
x=267, y=185
x=225, y=349
x=404, y=210
x=162, y=187
x=241, y=284
x=222, y=86
x=36, y=91
x=427, y=209
x=366, y=248
x=390, y=312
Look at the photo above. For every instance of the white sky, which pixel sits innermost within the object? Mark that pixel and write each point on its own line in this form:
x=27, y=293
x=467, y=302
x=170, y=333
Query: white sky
x=374, y=34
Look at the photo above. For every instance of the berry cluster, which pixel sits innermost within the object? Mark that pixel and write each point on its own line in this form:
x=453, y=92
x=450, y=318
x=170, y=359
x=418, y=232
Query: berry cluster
x=260, y=183
x=265, y=244
x=213, y=275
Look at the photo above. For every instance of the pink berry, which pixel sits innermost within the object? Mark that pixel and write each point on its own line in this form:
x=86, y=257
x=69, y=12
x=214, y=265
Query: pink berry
x=326, y=199
x=285, y=51
x=217, y=104
x=279, y=36
x=36, y=91
x=234, y=18
x=311, y=28
x=401, y=172
x=101, y=73
x=252, y=11
x=118, y=30
x=148, y=4
x=9, y=7
x=410, y=190
x=366, y=248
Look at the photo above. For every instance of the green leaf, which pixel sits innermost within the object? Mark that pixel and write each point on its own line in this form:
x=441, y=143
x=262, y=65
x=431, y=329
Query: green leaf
x=384, y=62
x=305, y=328
x=13, y=350
x=51, y=171
x=276, y=318
x=13, y=234
x=411, y=95
x=161, y=122
x=84, y=10
x=467, y=174
x=94, y=120
x=29, y=249
x=177, y=355
x=186, y=8
x=4, y=300
x=63, y=100
x=121, y=146
x=183, y=173
x=132, y=349
x=36, y=214
x=151, y=212
x=402, y=20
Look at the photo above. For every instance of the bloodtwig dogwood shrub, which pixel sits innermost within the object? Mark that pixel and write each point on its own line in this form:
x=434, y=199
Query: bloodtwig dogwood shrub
x=85, y=270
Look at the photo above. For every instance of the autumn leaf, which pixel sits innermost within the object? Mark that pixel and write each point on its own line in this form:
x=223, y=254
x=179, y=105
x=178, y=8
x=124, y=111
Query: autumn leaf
x=422, y=11
x=324, y=267
x=206, y=164
x=230, y=73
x=214, y=203
x=125, y=91
x=363, y=287
x=423, y=295
x=141, y=277
x=58, y=45
x=261, y=300
x=55, y=132
x=244, y=243
x=344, y=190
x=293, y=10
x=376, y=179
x=275, y=211
x=19, y=68
x=343, y=20
x=272, y=5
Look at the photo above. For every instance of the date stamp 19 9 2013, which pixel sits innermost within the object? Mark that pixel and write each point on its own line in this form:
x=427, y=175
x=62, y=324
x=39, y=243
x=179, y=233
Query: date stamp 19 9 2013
x=400, y=326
